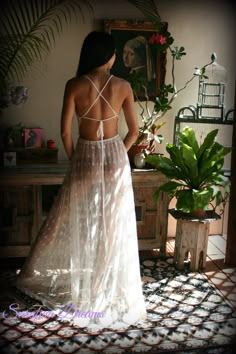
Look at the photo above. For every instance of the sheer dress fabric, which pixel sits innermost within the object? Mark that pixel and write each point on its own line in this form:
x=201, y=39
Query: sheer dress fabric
x=85, y=256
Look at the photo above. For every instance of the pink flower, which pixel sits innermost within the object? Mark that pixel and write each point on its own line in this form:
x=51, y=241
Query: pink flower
x=162, y=40
x=157, y=38
x=154, y=38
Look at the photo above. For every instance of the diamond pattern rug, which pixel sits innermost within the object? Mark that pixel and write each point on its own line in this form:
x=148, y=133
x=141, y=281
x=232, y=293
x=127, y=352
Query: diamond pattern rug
x=186, y=314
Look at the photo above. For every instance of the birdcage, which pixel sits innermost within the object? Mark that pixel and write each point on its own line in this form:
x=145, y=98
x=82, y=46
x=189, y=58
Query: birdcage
x=211, y=93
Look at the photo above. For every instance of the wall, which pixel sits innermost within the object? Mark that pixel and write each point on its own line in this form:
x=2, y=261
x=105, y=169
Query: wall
x=202, y=27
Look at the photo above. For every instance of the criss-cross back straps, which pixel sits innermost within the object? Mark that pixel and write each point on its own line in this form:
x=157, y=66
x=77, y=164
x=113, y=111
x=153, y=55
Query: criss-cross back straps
x=98, y=96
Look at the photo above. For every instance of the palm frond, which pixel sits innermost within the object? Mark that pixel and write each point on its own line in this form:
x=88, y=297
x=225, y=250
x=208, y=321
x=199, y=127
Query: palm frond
x=148, y=9
x=28, y=31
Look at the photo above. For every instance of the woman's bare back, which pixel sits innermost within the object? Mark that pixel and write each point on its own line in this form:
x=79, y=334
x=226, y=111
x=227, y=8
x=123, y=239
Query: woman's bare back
x=106, y=108
x=79, y=96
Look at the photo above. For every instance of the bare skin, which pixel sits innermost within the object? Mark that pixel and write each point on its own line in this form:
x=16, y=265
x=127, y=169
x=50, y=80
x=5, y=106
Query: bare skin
x=79, y=95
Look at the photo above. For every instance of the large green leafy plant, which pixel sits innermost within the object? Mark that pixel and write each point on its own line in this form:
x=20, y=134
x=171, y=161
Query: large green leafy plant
x=194, y=171
x=28, y=31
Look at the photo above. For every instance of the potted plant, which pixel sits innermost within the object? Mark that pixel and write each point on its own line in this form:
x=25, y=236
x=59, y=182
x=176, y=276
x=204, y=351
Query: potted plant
x=195, y=174
x=152, y=110
x=196, y=180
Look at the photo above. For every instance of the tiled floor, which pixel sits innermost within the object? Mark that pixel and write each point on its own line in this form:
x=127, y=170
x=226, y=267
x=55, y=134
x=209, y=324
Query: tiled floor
x=218, y=273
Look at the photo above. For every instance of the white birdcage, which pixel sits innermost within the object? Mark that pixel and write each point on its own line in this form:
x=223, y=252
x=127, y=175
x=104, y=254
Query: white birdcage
x=211, y=93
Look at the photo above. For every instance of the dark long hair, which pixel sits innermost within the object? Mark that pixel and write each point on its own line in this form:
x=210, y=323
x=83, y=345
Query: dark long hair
x=97, y=49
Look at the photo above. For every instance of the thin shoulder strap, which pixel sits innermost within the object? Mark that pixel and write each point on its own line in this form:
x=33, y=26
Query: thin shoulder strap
x=99, y=94
x=106, y=83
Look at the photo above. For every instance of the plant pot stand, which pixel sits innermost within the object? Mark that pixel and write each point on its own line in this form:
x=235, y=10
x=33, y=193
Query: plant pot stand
x=192, y=239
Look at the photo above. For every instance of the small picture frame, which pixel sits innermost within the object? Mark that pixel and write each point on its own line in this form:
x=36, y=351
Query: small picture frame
x=33, y=137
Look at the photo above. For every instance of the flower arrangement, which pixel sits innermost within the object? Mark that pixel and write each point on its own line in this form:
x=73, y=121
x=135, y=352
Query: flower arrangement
x=161, y=41
x=148, y=132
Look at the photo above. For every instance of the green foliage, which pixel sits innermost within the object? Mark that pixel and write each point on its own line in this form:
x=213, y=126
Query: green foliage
x=160, y=41
x=137, y=82
x=149, y=9
x=163, y=41
x=195, y=172
x=162, y=103
x=177, y=53
x=28, y=31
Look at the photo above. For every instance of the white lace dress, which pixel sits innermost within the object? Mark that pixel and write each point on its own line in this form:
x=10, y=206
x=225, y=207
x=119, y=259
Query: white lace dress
x=84, y=263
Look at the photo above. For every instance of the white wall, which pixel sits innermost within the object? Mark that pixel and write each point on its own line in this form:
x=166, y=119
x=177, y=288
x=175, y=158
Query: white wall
x=202, y=27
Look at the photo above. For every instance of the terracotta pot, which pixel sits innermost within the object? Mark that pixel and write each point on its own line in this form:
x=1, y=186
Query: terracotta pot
x=198, y=213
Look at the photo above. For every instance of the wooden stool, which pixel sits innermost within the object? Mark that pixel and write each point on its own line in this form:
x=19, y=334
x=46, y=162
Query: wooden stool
x=192, y=239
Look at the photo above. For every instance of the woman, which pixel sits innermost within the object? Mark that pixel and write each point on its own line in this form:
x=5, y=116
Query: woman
x=85, y=259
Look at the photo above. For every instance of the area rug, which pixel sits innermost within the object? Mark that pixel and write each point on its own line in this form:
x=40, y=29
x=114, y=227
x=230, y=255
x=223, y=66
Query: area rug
x=186, y=314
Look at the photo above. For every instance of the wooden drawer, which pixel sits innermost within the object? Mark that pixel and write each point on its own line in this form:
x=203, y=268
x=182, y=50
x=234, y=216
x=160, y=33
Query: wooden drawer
x=151, y=217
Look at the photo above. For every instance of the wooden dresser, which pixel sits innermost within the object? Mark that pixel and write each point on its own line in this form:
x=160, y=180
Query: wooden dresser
x=23, y=190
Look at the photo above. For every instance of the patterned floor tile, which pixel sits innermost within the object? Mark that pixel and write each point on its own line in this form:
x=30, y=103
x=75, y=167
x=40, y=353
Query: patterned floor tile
x=185, y=313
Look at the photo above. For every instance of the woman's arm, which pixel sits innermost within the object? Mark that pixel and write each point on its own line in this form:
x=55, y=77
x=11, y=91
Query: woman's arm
x=67, y=115
x=131, y=118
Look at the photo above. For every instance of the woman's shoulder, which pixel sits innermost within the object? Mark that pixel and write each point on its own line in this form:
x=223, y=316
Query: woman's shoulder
x=121, y=81
x=74, y=83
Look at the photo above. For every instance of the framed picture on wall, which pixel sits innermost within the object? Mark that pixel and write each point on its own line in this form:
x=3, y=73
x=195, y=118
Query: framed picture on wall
x=133, y=53
x=33, y=137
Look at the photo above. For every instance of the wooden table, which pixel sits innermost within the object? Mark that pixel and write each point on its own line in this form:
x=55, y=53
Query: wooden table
x=151, y=218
